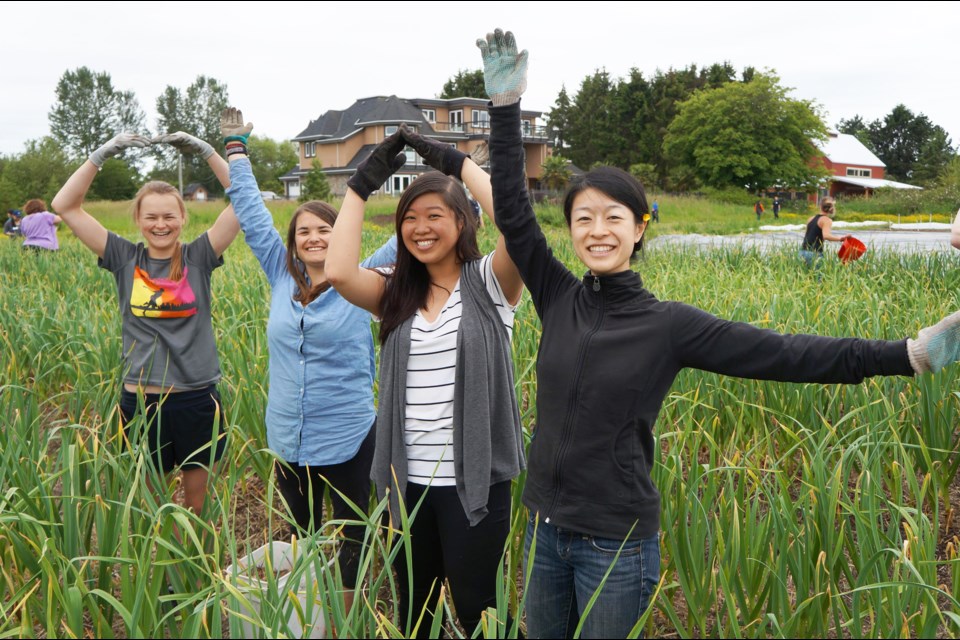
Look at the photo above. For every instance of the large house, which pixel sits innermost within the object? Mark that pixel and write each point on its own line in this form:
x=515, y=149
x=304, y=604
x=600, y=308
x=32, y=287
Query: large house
x=341, y=140
x=854, y=169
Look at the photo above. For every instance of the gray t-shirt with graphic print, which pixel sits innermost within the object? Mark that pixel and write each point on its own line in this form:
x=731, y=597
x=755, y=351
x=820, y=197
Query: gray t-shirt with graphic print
x=167, y=331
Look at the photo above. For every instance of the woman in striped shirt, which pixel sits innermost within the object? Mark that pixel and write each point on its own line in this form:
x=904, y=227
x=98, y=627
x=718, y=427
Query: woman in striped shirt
x=448, y=428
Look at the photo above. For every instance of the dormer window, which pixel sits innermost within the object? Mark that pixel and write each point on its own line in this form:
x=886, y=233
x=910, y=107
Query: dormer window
x=858, y=172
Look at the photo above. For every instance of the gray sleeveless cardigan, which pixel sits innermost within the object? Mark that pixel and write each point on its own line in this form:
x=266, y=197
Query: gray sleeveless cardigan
x=487, y=438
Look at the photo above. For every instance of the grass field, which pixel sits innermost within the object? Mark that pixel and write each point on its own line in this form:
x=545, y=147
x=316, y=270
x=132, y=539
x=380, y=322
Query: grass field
x=788, y=510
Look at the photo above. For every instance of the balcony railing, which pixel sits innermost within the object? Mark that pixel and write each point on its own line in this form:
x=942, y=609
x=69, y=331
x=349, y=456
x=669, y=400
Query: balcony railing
x=483, y=128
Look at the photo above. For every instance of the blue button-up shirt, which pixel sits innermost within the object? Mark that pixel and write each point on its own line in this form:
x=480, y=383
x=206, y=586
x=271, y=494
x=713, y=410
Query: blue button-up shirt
x=320, y=404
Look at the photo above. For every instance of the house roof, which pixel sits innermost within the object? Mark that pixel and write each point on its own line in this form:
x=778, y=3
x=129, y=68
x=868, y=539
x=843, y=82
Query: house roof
x=192, y=188
x=873, y=183
x=844, y=148
x=337, y=125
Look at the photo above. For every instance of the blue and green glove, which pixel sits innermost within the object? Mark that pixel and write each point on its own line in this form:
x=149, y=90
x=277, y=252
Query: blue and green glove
x=504, y=70
x=937, y=346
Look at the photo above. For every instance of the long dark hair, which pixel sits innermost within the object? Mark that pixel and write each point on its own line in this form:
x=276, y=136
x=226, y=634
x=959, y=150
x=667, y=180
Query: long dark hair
x=305, y=292
x=408, y=287
x=614, y=183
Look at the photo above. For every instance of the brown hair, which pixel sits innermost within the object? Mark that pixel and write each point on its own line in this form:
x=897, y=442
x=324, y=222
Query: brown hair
x=408, y=287
x=34, y=206
x=160, y=188
x=306, y=293
x=827, y=205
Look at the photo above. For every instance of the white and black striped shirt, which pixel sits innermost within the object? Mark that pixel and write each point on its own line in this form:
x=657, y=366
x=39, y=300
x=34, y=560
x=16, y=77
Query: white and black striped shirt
x=428, y=431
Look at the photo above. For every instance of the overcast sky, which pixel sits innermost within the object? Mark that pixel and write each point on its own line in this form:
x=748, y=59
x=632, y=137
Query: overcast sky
x=286, y=63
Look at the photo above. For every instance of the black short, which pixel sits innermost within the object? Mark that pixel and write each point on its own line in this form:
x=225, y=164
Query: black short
x=179, y=430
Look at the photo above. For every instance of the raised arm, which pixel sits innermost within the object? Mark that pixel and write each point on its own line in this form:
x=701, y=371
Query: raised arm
x=68, y=202
x=453, y=162
x=359, y=286
x=505, y=72
x=225, y=229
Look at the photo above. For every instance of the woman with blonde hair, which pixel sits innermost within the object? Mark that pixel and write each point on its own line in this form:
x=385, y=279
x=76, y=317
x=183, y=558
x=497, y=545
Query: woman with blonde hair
x=169, y=351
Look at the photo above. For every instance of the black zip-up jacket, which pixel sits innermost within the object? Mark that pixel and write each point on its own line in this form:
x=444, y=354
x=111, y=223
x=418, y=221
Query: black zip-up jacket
x=608, y=355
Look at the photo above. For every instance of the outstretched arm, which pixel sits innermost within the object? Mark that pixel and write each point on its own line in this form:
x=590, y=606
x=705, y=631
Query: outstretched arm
x=955, y=232
x=361, y=287
x=68, y=202
x=226, y=227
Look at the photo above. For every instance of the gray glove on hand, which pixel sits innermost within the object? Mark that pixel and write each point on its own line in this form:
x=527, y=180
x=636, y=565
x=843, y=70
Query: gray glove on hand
x=504, y=70
x=937, y=346
x=232, y=127
x=117, y=144
x=186, y=143
x=481, y=154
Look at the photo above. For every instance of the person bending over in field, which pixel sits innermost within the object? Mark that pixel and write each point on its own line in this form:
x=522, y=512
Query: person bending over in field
x=170, y=357
x=39, y=227
x=320, y=411
x=448, y=427
x=608, y=355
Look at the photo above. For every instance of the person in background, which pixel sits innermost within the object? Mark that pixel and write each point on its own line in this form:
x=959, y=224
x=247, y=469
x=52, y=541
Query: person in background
x=776, y=208
x=11, y=227
x=955, y=232
x=655, y=211
x=758, y=208
x=39, y=227
x=819, y=228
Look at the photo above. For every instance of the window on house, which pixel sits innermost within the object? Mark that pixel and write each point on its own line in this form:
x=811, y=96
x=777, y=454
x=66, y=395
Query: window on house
x=309, y=149
x=430, y=115
x=527, y=127
x=858, y=172
x=390, y=129
x=411, y=155
x=456, y=120
x=481, y=119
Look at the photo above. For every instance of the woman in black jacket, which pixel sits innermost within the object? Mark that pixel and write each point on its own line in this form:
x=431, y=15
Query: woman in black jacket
x=609, y=353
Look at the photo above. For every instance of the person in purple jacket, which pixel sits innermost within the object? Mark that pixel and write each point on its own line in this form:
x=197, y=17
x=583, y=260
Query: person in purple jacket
x=39, y=227
x=608, y=355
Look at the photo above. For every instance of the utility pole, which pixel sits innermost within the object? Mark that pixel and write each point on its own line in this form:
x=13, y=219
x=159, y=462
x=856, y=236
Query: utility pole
x=180, y=172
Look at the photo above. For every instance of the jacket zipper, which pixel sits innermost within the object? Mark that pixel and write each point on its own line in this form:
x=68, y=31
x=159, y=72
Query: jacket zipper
x=572, y=411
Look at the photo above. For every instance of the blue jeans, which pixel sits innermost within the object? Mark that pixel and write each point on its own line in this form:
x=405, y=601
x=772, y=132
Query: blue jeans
x=568, y=568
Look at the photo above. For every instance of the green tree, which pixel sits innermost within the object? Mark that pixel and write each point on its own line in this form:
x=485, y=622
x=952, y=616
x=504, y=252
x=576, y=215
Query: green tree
x=465, y=84
x=559, y=118
x=592, y=132
x=314, y=185
x=88, y=111
x=196, y=111
x=38, y=172
x=116, y=180
x=271, y=159
x=748, y=135
x=857, y=128
x=900, y=139
x=645, y=172
x=556, y=172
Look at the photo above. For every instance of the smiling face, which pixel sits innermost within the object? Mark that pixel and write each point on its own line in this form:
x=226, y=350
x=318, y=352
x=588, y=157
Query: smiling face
x=430, y=229
x=604, y=232
x=311, y=235
x=161, y=219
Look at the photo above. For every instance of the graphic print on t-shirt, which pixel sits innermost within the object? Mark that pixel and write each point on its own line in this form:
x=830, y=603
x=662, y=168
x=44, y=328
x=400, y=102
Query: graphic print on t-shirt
x=160, y=297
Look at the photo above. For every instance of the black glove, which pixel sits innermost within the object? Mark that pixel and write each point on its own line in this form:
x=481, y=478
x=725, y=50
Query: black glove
x=439, y=155
x=380, y=165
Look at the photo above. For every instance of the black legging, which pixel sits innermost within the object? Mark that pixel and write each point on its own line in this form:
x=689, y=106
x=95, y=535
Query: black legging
x=352, y=478
x=444, y=545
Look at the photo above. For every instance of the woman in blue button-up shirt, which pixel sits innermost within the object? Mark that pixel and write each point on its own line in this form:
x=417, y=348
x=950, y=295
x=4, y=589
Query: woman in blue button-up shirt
x=320, y=408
